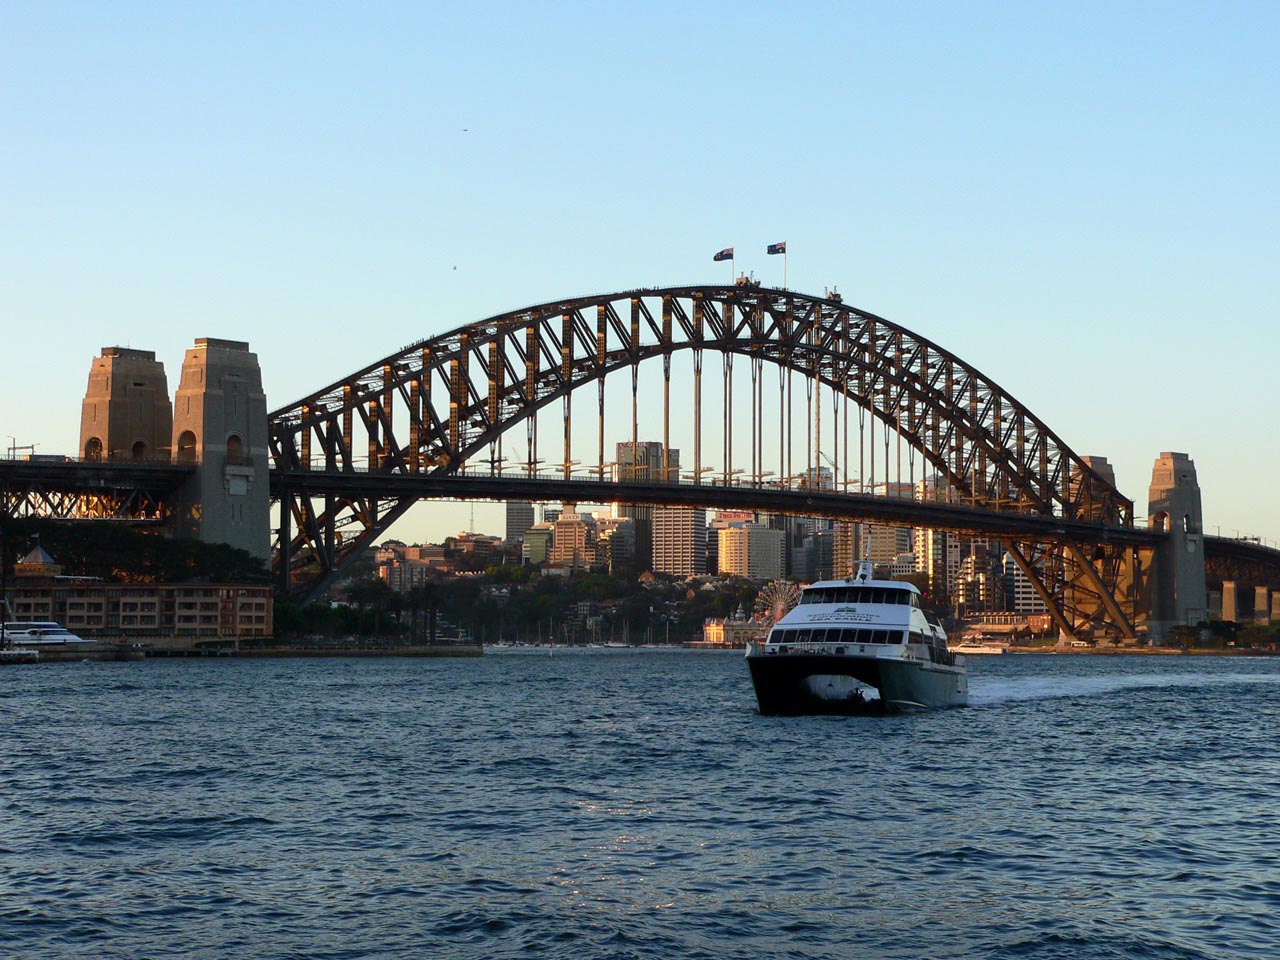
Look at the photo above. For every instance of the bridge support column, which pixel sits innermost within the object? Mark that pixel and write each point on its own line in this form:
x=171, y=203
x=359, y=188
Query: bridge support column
x=1179, y=595
x=1230, y=602
x=1262, y=605
x=220, y=425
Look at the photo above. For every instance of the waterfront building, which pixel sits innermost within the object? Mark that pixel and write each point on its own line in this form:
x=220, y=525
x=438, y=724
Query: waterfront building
x=93, y=608
x=734, y=631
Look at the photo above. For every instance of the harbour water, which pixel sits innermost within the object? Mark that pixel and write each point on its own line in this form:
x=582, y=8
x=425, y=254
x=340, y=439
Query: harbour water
x=633, y=804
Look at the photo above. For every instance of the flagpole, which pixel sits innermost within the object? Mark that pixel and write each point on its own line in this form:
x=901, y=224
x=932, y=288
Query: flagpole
x=784, y=269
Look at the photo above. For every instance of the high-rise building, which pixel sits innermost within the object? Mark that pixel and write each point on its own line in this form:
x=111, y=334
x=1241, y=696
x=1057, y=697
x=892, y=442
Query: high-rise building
x=615, y=542
x=938, y=555
x=643, y=460
x=519, y=519
x=752, y=550
x=679, y=541
x=846, y=549
x=574, y=544
x=1025, y=598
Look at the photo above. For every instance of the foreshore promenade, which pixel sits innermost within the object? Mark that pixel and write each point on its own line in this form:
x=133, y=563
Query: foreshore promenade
x=111, y=651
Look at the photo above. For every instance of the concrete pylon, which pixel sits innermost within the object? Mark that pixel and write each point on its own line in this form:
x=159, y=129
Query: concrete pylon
x=220, y=424
x=1230, y=602
x=1179, y=594
x=126, y=413
x=1262, y=605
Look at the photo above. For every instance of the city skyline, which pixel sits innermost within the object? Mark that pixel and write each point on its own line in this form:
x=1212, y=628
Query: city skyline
x=1080, y=204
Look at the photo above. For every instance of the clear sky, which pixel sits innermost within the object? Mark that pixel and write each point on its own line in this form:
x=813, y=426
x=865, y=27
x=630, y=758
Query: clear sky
x=1078, y=199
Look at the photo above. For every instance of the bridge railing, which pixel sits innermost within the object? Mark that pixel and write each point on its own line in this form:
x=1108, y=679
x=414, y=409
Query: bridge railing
x=797, y=483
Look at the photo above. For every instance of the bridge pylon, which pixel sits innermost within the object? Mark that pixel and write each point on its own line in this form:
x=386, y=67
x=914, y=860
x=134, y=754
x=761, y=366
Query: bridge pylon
x=126, y=413
x=1179, y=596
x=220, y=425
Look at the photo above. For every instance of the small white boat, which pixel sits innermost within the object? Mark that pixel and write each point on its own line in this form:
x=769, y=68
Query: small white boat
x=978, y=648
x=856, y=646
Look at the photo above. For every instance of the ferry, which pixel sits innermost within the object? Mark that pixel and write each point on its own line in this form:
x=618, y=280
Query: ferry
x=860, y=645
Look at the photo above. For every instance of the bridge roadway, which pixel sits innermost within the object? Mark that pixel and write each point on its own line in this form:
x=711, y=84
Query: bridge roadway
x=713, y=493
x=139, y=490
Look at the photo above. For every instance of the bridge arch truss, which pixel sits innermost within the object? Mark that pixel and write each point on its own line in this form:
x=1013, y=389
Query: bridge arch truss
x=444, y=407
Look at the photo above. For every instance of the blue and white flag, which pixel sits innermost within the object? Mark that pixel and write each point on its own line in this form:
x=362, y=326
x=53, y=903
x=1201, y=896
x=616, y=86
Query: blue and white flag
x=777, y=247
x=725, y=254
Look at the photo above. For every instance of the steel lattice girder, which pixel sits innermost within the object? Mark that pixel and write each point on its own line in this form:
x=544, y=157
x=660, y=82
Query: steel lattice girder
x=74, y=490
x=461, y=391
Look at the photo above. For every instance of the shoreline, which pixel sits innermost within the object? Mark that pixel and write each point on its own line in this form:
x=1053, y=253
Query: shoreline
x=121, y=653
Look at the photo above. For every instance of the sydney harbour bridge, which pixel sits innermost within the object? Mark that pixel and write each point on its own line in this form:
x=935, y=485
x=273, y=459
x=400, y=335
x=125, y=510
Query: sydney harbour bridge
x=793, y=404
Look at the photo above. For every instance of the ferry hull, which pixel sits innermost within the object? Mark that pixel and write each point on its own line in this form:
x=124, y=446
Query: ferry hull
x=785, y=684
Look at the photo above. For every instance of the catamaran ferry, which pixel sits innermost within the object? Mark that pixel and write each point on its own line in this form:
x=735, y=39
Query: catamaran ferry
x=856, y=646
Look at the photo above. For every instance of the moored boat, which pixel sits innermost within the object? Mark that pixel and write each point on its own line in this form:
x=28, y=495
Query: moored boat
x=855, y=646
x=977, y=647
x=39, y=634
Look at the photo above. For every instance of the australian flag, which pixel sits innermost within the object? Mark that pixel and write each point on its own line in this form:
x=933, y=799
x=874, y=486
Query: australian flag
x=725, y=254
x=777, y=247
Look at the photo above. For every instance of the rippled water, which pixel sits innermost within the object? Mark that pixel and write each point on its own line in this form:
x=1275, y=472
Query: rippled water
x=622, y=804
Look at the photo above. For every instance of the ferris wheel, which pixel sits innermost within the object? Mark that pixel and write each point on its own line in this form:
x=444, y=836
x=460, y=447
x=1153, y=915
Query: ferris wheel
x=776, y=599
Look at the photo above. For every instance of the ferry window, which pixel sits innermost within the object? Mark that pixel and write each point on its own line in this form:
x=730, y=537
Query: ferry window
x=880, y=636
x=800, y=636
x=817, y=636
x=849, y=636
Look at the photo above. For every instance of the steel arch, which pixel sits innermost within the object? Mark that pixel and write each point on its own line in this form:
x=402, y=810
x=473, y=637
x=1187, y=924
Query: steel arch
x=460, y=392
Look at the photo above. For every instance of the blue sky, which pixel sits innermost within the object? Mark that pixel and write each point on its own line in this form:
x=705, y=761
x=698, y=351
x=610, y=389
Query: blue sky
x=1079, y=199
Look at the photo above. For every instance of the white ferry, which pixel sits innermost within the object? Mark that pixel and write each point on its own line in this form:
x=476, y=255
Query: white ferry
x=855, y=646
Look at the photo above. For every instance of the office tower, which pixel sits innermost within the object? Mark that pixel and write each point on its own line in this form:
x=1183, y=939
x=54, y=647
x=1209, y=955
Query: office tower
x=679, y=541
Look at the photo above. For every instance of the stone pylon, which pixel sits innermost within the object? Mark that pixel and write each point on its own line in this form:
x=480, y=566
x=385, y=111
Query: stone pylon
x=220, y=425
x=1179, y=594
x=126, y=413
